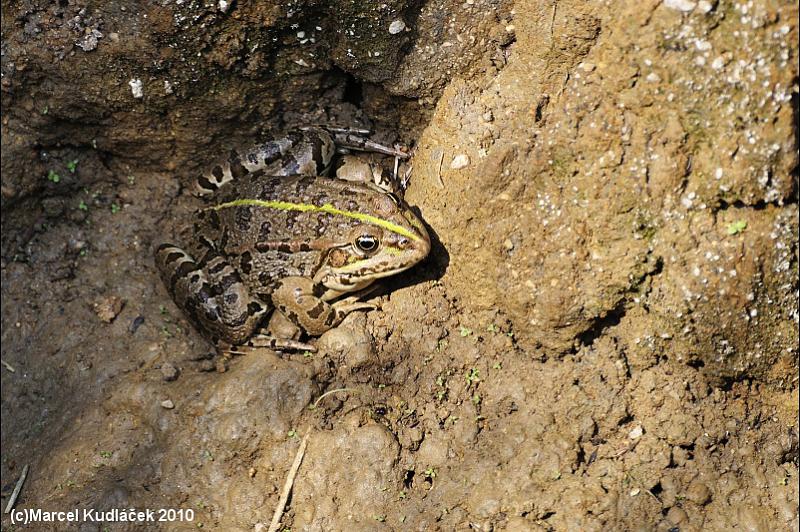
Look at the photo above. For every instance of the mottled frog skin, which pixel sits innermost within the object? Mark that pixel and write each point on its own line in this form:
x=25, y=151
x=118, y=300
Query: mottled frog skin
x=279, y=243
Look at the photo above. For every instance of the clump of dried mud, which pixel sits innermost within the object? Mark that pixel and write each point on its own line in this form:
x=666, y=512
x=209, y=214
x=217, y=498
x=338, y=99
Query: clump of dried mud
x=605, y=335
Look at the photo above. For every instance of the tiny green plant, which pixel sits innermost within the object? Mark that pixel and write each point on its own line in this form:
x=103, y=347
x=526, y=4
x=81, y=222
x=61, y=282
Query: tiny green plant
x=429, y=473
x=53, y=176
x=82, y=206
x=497, y=365
x=292, y=433
x=473, y=376
x=105, y=454
x=737, y=227
x=114, y=208
x=464, y=331
x=72, y=166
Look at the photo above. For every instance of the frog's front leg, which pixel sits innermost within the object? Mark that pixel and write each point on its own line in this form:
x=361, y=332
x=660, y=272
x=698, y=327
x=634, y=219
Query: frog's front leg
x=299, y=300
x=211, y=293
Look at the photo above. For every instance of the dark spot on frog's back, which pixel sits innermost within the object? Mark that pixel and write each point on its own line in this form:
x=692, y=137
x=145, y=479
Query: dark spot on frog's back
x=264, y=231
x=213, y=219
x=246, y=262
x=268, y=188
x=243, y=218
x=302, y=185
x=237, y=168
x=291, y=219
x=231, y=298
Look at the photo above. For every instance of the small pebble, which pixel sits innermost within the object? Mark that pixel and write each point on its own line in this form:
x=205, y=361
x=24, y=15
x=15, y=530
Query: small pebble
x=635, y=433
x=680, y=5
x=168, y=404
x=676, y=515
x=396, y=27
x=207, y=365
x=135, y=324
x=169, y=372
x=704, y=6
x=136, y=88
x=460, y=161
x=698, y=492
x=251, y=472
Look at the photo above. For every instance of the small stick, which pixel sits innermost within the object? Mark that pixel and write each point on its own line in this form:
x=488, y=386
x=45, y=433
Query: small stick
x=329, y=392
x=287, y=486
x=8, y=366
x=13, y=500
x=439, y=171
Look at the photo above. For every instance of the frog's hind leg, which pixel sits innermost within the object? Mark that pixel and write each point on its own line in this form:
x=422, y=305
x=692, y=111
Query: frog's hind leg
x=300, y=152
x=211, y=293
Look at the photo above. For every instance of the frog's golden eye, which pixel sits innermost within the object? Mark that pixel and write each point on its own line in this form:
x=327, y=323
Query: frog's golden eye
x=367, y=243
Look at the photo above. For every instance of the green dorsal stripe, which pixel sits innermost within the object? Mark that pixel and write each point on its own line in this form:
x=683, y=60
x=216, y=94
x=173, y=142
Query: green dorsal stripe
x=326, y=208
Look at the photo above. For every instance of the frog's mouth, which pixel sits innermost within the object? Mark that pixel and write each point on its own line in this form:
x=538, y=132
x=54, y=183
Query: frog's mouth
x=357, y=275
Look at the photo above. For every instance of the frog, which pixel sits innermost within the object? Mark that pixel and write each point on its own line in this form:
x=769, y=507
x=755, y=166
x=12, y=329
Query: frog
x=281, y=249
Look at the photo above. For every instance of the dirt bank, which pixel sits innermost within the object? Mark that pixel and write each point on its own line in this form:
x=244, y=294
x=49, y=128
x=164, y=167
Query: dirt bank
x=605, y=334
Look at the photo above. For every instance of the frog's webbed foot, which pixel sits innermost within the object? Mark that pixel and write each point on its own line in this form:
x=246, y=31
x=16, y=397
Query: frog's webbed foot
x=259, y=342
x=296, y=298
x=356, y=139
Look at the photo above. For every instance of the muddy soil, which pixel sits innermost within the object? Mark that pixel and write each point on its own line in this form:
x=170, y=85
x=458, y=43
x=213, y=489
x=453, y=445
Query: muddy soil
x=603, y=338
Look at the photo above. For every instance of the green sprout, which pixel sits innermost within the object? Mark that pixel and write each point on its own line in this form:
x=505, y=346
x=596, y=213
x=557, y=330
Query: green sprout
x=473, y=376
x=72, y=166
x=737, y=227
x=53, y=177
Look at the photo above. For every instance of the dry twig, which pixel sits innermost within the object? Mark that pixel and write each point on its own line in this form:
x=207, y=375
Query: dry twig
x=287, y=486
x=13, y=499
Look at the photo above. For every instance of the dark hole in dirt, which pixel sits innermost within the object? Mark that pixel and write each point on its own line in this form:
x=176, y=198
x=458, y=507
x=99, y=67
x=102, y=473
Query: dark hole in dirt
x=655, y=490
x=696, y=363
x=408, y=479
x=611, y=319
x=353, y=91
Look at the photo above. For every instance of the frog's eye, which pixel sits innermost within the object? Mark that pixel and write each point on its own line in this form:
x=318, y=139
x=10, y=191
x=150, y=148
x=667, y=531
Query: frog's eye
x=367, y=243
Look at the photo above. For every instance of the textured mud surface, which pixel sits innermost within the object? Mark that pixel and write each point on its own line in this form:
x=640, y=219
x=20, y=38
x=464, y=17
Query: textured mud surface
x=604, y=338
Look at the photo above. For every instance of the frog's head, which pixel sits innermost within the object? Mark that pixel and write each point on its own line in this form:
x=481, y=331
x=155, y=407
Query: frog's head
x=385, y=240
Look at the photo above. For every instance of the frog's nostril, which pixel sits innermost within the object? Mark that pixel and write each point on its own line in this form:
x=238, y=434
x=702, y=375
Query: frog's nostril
x=402, y=243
